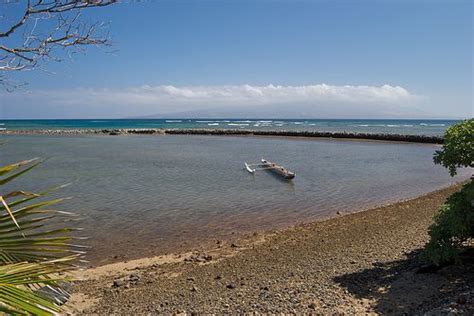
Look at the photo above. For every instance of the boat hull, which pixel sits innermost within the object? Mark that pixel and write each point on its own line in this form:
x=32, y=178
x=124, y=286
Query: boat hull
x=279, y=170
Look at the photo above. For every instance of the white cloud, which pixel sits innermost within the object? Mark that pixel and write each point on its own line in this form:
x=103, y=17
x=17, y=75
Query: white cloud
x=163, y=99
x=236, y=94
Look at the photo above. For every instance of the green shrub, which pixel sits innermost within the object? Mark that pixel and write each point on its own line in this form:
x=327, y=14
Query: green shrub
x=454, y=224
x=458, y=148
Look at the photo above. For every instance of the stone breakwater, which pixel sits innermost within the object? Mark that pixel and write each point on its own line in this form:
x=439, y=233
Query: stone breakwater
x=84, y=131
x=233, y=132
x=315, y=134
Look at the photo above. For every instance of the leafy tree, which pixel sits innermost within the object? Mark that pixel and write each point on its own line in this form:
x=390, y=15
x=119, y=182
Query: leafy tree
x=458, y=148
x=454, y=224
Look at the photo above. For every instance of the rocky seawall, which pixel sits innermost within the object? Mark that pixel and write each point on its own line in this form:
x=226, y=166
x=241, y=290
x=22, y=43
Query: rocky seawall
x=233, y=132
x=314, y=134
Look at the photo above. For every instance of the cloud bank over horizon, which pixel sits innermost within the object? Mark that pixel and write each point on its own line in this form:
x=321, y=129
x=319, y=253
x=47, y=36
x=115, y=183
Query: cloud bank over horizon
x=318, y=100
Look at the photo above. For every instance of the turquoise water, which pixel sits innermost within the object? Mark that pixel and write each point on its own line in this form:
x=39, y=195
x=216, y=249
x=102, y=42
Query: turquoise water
x=145, y=195
x=415, y=127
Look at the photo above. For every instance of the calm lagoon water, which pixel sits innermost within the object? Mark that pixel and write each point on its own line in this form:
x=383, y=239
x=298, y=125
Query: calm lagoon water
x=144, y=195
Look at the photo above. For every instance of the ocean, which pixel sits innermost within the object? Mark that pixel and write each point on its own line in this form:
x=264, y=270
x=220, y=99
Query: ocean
x=146, y=195
x=413, y=127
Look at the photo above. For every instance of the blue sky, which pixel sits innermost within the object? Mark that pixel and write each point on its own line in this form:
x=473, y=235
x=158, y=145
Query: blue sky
x=374, y=59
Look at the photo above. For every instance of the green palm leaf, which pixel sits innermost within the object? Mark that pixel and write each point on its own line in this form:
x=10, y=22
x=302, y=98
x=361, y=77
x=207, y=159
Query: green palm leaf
x=19, y=173
x=14, y=166
x=17, y=284
x=32, y=255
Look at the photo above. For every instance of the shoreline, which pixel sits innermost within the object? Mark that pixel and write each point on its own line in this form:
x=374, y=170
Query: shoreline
x=208, y=243
x=328, y=266
x=425, y=139
x=244, y=238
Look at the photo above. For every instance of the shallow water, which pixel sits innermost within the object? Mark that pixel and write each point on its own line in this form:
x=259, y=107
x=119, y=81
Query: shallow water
x=144, y=195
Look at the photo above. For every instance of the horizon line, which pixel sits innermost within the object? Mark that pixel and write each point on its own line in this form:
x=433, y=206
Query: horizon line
x=236, y=118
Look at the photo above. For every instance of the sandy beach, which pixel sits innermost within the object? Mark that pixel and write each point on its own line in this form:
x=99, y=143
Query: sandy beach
x=365, y=262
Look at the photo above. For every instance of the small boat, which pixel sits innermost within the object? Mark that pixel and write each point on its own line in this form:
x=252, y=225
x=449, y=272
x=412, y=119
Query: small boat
x=267, y=165
x=281, y=171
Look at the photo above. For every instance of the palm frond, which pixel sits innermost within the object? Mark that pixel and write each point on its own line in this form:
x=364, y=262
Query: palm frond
x=9, y=178
x=18, y=281
x=29, y=239
x=32, y=255
x=14, y=166
x=9, y=211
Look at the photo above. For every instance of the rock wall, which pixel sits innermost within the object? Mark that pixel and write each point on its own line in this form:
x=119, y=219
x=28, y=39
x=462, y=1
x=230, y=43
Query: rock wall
x=225, y=132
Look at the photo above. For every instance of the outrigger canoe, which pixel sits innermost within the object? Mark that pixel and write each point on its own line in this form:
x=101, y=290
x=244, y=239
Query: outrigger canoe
x=281, y=171
x=273, y=167
x=249, y=169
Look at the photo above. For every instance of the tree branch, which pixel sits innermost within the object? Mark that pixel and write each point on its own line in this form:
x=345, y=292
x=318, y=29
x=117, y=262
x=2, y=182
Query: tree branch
x=35, y=47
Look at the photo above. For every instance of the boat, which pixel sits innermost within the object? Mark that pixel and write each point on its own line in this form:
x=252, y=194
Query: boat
x=273, y=167
x=281, y=171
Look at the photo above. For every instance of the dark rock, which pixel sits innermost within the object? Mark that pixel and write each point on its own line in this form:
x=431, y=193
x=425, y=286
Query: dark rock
x=385, y=137
x=231, y=286
x=346, y=135
x=462, y=299
x=134, y=277
x=118, y=283
x=198, y=258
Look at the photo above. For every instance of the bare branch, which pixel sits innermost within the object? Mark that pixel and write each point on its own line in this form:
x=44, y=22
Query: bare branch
x=26, y=50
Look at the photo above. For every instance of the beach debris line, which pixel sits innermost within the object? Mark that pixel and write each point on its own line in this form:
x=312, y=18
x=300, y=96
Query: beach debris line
x=271, y=166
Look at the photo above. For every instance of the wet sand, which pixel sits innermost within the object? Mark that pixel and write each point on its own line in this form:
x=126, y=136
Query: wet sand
x=364, y=262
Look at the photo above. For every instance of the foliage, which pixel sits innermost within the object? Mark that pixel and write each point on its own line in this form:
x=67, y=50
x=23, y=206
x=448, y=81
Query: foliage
x=458, y=148
x=453, y=226
x=32, y=255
